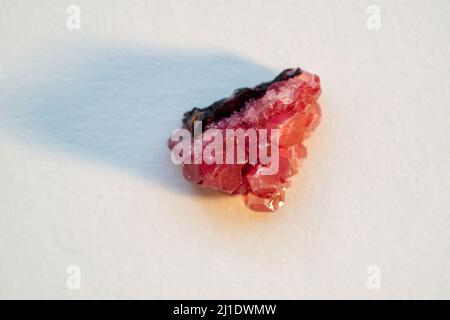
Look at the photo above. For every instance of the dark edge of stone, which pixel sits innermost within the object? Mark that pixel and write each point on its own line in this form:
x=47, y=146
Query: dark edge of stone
x=225, y=107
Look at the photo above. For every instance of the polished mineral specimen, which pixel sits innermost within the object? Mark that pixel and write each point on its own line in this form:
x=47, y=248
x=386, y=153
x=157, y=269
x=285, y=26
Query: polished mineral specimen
x=289, y=104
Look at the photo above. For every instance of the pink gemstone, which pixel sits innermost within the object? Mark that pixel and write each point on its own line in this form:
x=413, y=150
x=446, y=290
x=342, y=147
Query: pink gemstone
x=271, y=203
x=262, y=184
x=230, y=178
x=289, y=103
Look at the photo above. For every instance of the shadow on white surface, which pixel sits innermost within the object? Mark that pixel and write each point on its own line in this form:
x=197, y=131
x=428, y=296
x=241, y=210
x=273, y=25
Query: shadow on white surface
x=119, y=106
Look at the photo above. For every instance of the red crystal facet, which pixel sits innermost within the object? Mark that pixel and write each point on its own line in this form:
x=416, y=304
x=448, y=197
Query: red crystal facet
x=290, y=106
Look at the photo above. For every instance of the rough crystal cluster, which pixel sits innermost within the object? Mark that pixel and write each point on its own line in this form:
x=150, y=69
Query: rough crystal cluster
x=288, y=103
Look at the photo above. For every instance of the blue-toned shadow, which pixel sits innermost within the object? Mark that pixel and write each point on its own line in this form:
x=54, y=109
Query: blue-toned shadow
x=119, y=106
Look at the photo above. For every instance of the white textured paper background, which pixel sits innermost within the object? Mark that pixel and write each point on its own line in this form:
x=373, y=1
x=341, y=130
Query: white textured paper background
x=86, y=178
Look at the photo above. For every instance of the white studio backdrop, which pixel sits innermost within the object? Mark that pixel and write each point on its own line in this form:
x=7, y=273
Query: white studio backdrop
x=91, y=206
